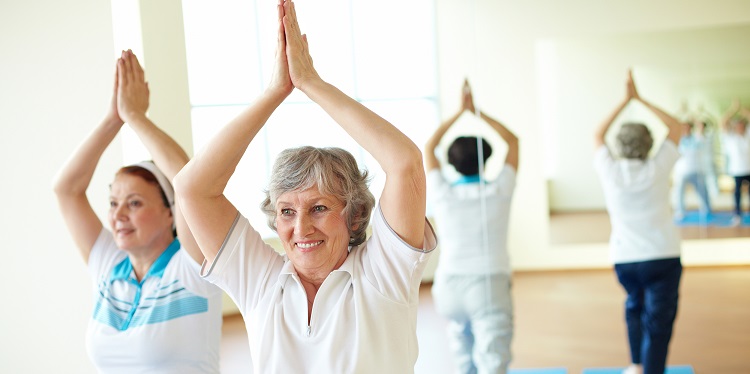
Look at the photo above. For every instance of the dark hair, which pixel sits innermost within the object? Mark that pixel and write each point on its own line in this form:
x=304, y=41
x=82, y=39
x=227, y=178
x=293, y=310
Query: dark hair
x=463, y=155
x=333, y=171
x=145, y=175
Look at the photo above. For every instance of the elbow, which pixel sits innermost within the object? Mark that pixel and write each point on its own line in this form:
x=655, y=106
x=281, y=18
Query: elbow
x=182, y=183
x=410, y=163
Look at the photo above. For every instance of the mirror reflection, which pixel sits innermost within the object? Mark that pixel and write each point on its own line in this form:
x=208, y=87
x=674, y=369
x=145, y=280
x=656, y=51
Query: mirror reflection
x=701, y=76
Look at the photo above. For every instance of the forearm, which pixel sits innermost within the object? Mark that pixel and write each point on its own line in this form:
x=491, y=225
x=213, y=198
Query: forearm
x=673, y=125
x=167, y=154
x=208, y=172
x=431, y=161
x=601, y=131
x=392, y=149
x=509, y=137
x=75, y=175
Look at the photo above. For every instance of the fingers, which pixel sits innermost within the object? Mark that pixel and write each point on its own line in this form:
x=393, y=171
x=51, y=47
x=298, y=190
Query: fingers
x=121, y=79
x=135, y=65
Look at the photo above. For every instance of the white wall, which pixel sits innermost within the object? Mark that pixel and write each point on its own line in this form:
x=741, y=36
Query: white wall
x=56, y=71
x=55, y=78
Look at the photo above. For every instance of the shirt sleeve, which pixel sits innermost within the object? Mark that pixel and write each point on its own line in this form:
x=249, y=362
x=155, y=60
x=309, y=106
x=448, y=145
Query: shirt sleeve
x=667, y=156
x=506, y=180
x=391, y=265
x=244, y=266
x=104, y=255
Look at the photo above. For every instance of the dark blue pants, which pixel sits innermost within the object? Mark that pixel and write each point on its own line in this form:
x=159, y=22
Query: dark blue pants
x=650, y=309
x=738, y=181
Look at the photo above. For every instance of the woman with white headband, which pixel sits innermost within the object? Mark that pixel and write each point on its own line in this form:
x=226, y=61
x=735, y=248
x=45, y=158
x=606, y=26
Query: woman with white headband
x=152, y=311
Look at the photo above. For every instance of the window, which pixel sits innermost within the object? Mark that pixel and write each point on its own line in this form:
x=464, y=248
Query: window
x=380, y=53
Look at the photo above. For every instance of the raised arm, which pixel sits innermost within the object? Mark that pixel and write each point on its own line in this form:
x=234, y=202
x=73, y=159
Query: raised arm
x=726, y=118
x=200, y=184
x=75, y=176
x=431, y=161
x=672, y=123
x=403, y=198
x=168, y=156
x=510, y=139
x=601, y=131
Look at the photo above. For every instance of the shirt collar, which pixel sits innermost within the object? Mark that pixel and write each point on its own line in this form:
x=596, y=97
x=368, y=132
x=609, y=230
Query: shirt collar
x=467, y=179
x=124, y=270
x=347, y=266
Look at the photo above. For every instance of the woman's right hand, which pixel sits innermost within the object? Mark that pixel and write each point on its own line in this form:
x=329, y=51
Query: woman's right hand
x=301, y=69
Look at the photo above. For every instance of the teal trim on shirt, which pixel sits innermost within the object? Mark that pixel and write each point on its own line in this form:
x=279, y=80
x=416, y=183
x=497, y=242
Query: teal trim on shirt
x=467, y=179
x=124, y=270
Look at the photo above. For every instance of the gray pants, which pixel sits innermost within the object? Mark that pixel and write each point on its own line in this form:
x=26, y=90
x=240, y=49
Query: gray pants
x=480, y=326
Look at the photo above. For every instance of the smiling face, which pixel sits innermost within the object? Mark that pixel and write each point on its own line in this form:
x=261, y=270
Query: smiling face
x=139, y=219
x=313, y=231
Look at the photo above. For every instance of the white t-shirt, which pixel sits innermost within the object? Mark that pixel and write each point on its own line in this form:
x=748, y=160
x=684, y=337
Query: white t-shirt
x=637, y=198
x=737, y=150
x=469, y=244
x=364, y=316
x=169, y=323
x=695, y=156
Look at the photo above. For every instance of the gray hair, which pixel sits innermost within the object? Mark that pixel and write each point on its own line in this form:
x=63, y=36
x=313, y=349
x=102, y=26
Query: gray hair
x=634, y=141
x=334, y=172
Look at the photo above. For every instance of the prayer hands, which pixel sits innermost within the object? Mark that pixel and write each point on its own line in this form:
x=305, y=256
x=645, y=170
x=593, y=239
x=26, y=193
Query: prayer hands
x=132, y=88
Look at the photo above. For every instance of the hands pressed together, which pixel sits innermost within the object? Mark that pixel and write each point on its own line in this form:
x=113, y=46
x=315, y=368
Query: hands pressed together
x=632, y=91
x=467, y=98
x=130, y=96
x=294, y=65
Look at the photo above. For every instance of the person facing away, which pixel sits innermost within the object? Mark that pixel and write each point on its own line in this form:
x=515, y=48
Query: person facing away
x=472, y=281
x=644, y=243
x=735, y=143
x=153, y=312
x=336, y=301
x=693, y=168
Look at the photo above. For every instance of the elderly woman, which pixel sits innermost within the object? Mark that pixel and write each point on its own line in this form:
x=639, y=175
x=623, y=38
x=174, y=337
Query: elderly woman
x=644, y=244
x=735, y=141
x=336, y=302
x=153, y=312
x=693, y=167
x=472, y=281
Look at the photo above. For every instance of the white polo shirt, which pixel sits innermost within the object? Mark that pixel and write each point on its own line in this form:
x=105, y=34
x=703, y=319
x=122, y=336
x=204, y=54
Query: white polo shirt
x=170, y=322
x=364, y=315
x=737, y=149
x=637, y=197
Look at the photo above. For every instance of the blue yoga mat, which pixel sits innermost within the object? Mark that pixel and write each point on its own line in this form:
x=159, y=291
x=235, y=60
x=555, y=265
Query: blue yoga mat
x=686, y=369
x=539, y=371
x=720, y=219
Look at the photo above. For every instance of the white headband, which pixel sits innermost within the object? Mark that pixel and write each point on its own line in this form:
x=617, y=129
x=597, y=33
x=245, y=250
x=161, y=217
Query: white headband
x=162, y=179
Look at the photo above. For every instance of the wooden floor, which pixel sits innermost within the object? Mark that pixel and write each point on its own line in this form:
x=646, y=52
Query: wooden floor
x=574, y=319
x=594, y=227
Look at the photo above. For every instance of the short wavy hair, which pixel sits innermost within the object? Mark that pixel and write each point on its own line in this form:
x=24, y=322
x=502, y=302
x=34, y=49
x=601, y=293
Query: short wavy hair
x=634, y=141
x=464, y=156
x=335, y=172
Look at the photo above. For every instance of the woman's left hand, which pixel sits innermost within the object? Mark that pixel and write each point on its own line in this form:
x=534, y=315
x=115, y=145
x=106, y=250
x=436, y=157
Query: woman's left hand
x=301, y=69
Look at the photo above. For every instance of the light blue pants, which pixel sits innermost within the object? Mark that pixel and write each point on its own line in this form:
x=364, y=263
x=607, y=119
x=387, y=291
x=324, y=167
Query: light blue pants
x=480, y=326
x=698, y=180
